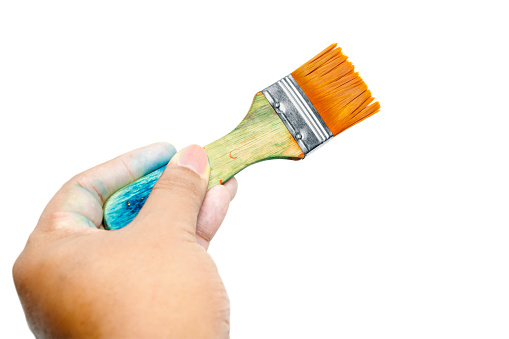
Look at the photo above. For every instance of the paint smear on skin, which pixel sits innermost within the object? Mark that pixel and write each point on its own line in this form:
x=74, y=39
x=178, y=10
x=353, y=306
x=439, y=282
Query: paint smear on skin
x=220, y=181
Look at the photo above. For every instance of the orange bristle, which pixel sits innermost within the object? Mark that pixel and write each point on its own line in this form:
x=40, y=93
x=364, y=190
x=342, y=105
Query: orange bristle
x=338, y=93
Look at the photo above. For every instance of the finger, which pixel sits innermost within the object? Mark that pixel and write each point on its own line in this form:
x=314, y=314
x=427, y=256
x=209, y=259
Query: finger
x=79, y=202
x=231, y=185
x=177, y=196
x=212, y=213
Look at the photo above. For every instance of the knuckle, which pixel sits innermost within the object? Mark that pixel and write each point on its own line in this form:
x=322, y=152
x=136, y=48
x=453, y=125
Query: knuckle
x=18, y=270
x=23, y=269
x=204, y=234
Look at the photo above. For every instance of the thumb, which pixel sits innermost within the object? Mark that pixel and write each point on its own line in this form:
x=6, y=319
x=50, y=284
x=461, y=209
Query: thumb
x=177, y=196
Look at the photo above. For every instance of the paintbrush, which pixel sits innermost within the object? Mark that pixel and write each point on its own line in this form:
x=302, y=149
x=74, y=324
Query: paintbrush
x=287, y=120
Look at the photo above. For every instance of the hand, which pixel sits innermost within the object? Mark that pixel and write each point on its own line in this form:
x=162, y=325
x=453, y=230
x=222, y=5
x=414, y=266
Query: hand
x=152, y=278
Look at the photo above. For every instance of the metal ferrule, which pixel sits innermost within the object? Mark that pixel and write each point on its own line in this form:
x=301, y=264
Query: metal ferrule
x=298, y=114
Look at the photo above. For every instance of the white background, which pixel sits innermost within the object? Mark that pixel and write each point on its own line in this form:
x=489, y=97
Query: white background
x=398, y=228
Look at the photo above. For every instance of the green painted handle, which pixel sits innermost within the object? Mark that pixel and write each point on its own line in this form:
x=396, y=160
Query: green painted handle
x=260, y=136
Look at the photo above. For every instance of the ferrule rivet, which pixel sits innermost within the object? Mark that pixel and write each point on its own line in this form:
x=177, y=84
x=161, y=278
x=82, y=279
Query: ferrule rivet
x=276, y=104
x=298, y=136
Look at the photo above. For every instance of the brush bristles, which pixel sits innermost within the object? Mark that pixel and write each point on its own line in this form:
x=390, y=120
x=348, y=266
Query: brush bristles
x=338, y=93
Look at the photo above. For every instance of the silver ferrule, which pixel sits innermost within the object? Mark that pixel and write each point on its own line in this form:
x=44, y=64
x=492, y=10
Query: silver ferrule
x=298, y=114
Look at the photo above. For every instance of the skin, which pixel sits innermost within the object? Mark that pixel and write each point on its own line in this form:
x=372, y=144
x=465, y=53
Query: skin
x=150, y=279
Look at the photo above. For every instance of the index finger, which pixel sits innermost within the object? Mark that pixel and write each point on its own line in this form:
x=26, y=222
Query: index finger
x=79, y=202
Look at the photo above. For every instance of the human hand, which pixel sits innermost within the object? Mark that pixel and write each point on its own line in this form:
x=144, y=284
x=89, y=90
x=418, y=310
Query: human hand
x=150, y=279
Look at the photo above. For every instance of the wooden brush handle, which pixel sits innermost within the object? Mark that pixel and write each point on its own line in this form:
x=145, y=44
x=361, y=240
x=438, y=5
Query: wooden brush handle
x=260, y=136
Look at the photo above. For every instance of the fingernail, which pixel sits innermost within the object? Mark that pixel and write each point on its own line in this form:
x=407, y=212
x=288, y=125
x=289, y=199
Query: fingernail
x=195, y=158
